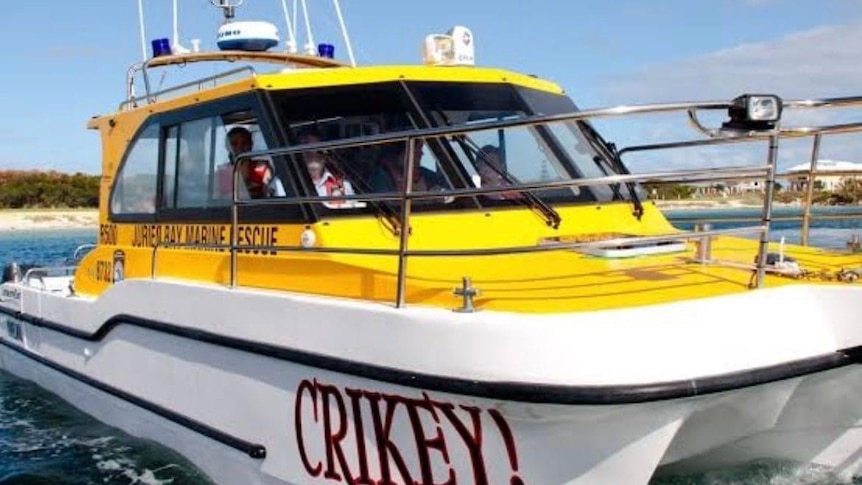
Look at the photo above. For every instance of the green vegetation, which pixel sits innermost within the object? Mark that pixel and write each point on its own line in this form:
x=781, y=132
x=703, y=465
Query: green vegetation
x=662, y=191
x=37, y=189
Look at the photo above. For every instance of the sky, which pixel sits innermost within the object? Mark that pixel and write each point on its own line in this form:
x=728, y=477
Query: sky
x=64, y=62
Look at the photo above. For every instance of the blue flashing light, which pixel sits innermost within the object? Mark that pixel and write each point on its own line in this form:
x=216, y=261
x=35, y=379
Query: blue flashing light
x=161, y=47
x=326, y=50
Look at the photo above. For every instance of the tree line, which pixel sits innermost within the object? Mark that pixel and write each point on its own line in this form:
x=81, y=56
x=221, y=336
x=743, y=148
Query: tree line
x=40, y=189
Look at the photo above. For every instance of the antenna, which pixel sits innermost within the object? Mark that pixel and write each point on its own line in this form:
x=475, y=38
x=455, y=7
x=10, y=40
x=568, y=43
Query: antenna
x=295, y=16
x=291, y=37
x=310, y=48
x=228, y=6
x=177, y=48
x=344, y=32
x=143, y=34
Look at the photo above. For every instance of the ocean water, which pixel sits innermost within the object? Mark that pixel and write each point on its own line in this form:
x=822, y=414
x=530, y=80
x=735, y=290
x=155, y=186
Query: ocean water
x=831, y=227
x=45, y=441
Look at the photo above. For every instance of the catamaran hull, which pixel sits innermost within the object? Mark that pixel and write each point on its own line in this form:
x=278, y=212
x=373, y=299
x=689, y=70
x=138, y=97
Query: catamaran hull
x=254, y=413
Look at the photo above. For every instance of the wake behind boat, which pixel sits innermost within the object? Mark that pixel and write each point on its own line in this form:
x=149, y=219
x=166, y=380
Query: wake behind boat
x=433, y=274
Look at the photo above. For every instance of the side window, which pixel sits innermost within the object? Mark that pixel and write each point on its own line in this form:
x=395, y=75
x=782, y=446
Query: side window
x=189, y=164
x=170, y=165
x=258, y=178
x=135, y=187
x=199, y=156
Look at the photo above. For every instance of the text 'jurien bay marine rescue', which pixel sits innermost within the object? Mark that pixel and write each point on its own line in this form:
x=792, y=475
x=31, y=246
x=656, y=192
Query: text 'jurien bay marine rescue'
x=151, y=235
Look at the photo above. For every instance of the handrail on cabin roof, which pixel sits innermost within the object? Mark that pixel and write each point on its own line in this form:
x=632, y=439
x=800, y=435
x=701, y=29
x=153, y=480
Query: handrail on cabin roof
x=283, y=58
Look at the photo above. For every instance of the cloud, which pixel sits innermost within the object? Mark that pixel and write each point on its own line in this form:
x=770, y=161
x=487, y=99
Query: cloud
x=817, y=63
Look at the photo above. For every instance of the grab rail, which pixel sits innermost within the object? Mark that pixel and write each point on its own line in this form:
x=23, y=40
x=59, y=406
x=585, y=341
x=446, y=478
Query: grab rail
x=132, y=100
x=811, y=175
x=767, y=172
x=282, y=58
x=42, y=272
x=83, y=247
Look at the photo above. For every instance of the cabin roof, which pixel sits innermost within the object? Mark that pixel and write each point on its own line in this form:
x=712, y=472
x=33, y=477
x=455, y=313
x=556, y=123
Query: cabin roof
x=312, y=77
x=309, y=78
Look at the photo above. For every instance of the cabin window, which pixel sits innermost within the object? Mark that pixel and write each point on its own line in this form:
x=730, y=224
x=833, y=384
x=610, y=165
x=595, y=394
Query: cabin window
x=490, y=158
x=199, y=163
x=338, y=113
x=189, y=165
x=135, y=188
x=497, y=158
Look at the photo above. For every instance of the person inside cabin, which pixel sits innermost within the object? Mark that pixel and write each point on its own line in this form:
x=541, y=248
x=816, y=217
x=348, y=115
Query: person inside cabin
x=492, y=169
x=257, y=174
x=388, y=176
x=325, y=174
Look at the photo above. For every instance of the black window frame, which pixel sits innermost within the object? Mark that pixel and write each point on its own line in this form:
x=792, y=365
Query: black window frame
x=283, y=103
x=281, y=213
x=140, y=216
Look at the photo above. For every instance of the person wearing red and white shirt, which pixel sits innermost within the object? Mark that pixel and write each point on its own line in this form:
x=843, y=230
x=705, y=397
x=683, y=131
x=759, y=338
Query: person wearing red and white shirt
x=326, y=183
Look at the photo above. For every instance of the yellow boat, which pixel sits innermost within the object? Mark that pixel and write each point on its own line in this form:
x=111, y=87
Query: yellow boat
x=435, y=274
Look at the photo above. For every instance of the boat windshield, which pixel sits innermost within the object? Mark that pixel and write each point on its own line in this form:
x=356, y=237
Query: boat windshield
x=497, y=157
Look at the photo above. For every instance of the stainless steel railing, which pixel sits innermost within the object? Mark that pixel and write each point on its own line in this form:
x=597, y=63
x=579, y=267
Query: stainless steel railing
x=405, y=197
x=278, y=58
x=78, y=254
x=41, y=273
x=132, y=101
x=815, y=133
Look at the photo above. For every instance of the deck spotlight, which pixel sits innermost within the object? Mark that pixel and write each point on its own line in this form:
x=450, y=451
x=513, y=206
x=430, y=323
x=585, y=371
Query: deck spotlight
x=753, y=112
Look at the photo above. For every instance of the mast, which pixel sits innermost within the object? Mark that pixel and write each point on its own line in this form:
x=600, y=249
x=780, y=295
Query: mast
x=344, y=32
x=176, y=47
x=290, y=43
x=228, y=7
x=143, y=34
x=310, y=48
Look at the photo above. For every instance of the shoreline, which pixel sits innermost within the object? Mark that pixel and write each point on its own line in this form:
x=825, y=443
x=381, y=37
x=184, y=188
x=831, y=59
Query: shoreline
x=695, y=204
x=80, y=219
x=48, y=219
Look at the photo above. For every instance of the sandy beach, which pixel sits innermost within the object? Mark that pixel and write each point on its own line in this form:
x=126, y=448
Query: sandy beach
x=693, y=204
x=39, y=219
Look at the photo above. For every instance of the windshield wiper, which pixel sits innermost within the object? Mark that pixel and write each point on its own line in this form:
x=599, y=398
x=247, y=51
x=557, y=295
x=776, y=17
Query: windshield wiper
x=616, y=165
x=551, y=216
x=391, y=217
x=471, y=149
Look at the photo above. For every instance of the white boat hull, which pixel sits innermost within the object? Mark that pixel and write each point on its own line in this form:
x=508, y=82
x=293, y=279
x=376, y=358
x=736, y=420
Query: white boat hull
x=254, y=411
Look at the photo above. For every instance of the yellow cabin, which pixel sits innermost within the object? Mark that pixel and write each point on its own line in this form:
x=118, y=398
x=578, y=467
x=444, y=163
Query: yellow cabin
x=512, y=193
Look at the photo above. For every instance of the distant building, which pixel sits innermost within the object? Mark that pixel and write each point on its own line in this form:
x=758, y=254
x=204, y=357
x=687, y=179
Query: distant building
x=746, y=186
x=729, y=188
x=798, y=175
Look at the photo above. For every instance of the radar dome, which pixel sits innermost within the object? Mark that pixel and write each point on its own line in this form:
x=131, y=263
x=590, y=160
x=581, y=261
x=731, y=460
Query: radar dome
x=247, y=36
